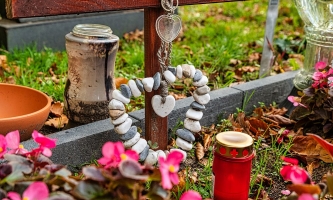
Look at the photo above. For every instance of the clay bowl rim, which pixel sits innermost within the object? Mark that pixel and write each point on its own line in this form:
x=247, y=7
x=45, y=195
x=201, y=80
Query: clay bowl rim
x=46, y=107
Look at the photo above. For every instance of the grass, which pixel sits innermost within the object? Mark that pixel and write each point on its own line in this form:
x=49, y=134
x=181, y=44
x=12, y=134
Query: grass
x=212, y=35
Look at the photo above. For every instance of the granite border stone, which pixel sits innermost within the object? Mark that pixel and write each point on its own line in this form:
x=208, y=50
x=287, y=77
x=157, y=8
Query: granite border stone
x=83, y=143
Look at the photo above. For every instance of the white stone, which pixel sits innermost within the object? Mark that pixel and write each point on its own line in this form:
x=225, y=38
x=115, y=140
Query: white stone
x=181, y=151
x=139, y=146
x=116, y=94
x=134, y=88
x=187, y=70
x=192, y=125
x=132, y=141
x=116, y=105
x=120, y=119
x=124, y=127
x=148, y=83
x=161, y=153
x=151, y=158
x=193, y=70
x=179, y=72
x=202, y=99
x=185, y=145
x=169, y=76
x=166, y=152
x=194, y=114
x=160, y=108
x=203, y=81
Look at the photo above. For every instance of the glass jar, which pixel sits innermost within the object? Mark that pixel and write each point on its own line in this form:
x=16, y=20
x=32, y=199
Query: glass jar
x=318, y=18
x=91, y=50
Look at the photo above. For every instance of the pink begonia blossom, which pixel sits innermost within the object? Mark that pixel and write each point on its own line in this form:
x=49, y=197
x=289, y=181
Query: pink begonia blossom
x=45, y=144
x=169, y=167
x=296, y=101
x=114, y=153
x=305, y=196
x=3, y=146
x=285, y=192
x=35, y=191
x=320, y=65
x=13, y=143
x=330, y=81
x=317, y=76
x=293, y=172
x=191, y=195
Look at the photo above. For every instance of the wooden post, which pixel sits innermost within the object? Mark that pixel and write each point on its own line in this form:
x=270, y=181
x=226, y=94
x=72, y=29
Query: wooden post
x=156, y=127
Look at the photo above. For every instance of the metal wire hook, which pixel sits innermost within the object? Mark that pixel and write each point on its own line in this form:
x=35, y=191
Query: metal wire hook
x=168, y=5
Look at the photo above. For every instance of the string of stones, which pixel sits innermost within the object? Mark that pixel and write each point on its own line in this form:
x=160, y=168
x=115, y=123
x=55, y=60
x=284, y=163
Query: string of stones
x=128, y=133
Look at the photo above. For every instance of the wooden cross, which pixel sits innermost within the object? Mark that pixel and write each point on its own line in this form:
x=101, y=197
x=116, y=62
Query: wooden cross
x=156, y=127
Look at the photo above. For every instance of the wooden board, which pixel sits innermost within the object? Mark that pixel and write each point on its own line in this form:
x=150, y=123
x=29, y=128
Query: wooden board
x=34, y=8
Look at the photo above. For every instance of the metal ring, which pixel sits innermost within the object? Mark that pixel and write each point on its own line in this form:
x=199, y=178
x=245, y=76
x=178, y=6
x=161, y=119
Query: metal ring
x=168, y=5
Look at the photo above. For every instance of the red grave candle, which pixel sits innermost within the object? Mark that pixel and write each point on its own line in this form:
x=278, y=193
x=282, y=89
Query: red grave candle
x=233, y=154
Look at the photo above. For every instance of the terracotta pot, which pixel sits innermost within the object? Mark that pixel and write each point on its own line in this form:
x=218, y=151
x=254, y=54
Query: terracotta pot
x=22, y=108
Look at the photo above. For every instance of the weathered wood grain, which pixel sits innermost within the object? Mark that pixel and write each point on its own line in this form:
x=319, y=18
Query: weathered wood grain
x=34, y=8
x=156, y=127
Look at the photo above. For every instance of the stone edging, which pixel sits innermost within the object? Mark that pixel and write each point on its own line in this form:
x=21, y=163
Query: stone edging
x=83, y=143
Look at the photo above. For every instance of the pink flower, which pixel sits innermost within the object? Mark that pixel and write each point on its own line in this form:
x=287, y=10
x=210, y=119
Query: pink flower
x=282, y=136
x=285, y=192
x=45, y=144
x=293, y=172
x=320, y=65
x=169, y=168
x=13, y=143
x=3, y=146
x=296, y=101
x=35, y=191
x=305, y=196
x=330, y=81
x=114, y=153
x=317, y=76
x=193, y=195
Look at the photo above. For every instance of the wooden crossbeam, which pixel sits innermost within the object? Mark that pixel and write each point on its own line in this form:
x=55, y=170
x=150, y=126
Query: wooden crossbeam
x=34, y=8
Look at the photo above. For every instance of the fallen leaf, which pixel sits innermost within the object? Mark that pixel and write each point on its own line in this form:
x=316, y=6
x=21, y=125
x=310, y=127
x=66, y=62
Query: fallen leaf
x=207, y=140
x=281, y=120
x=310, y=167
x=57, y=108
x=262, y=179
x=199, y=151
x=304, y=188
x=325, y=144
x=57, y=122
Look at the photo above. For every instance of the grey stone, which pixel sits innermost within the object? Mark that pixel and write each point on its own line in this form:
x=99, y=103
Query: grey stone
x=185, y=145
x=197, y=75
x=129, y=143
x=173, y=70
x=187, y=70
x=143, y=155
x=203, y=90
x=157, y=80
x=125, y=91
x=185, y=134
x=129, y=134
x=203, y=81
x=197, y=106
x=139, y=85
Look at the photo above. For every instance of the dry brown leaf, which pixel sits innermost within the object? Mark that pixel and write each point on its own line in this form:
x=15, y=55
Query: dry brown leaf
x=310, y=167
x=10, y=80
x=57, y=122
x=307, y=147
x=194, y=177
x=178, y=96
x=304, y=188
x=136, y=35
x=250, y=69
x=207, y=140
x=244, y=123
x=57, y=108
x=199, y=151
x=120, y=80
x=254, y=57
x=3, y=60
x=182, y=181
x=262, y=179
x=281, y=120
x=259, y=127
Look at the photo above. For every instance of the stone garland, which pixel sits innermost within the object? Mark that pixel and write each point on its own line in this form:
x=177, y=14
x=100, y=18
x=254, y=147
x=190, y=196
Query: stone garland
x=128, y=133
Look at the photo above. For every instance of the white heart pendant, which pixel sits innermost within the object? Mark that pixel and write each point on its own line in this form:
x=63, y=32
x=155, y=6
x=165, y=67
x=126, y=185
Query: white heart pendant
x=168, y=27
x=163, y=109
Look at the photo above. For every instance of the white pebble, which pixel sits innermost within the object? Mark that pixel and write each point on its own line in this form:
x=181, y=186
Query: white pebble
x=194, y=114
x=148, y=84
x=203, y=81
x=124, y=127
x=185, y=145
x=139, y=146
x=193, y=70
x=151, y=158
x=116, y=105
x=120, y=119
x=192, y=125
x=134, y=88
x=181, y=151
x=202, y=99
x=132, y=141
x=169, y=76
x=179, y=72
x=116, y=94
x=161, y=153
